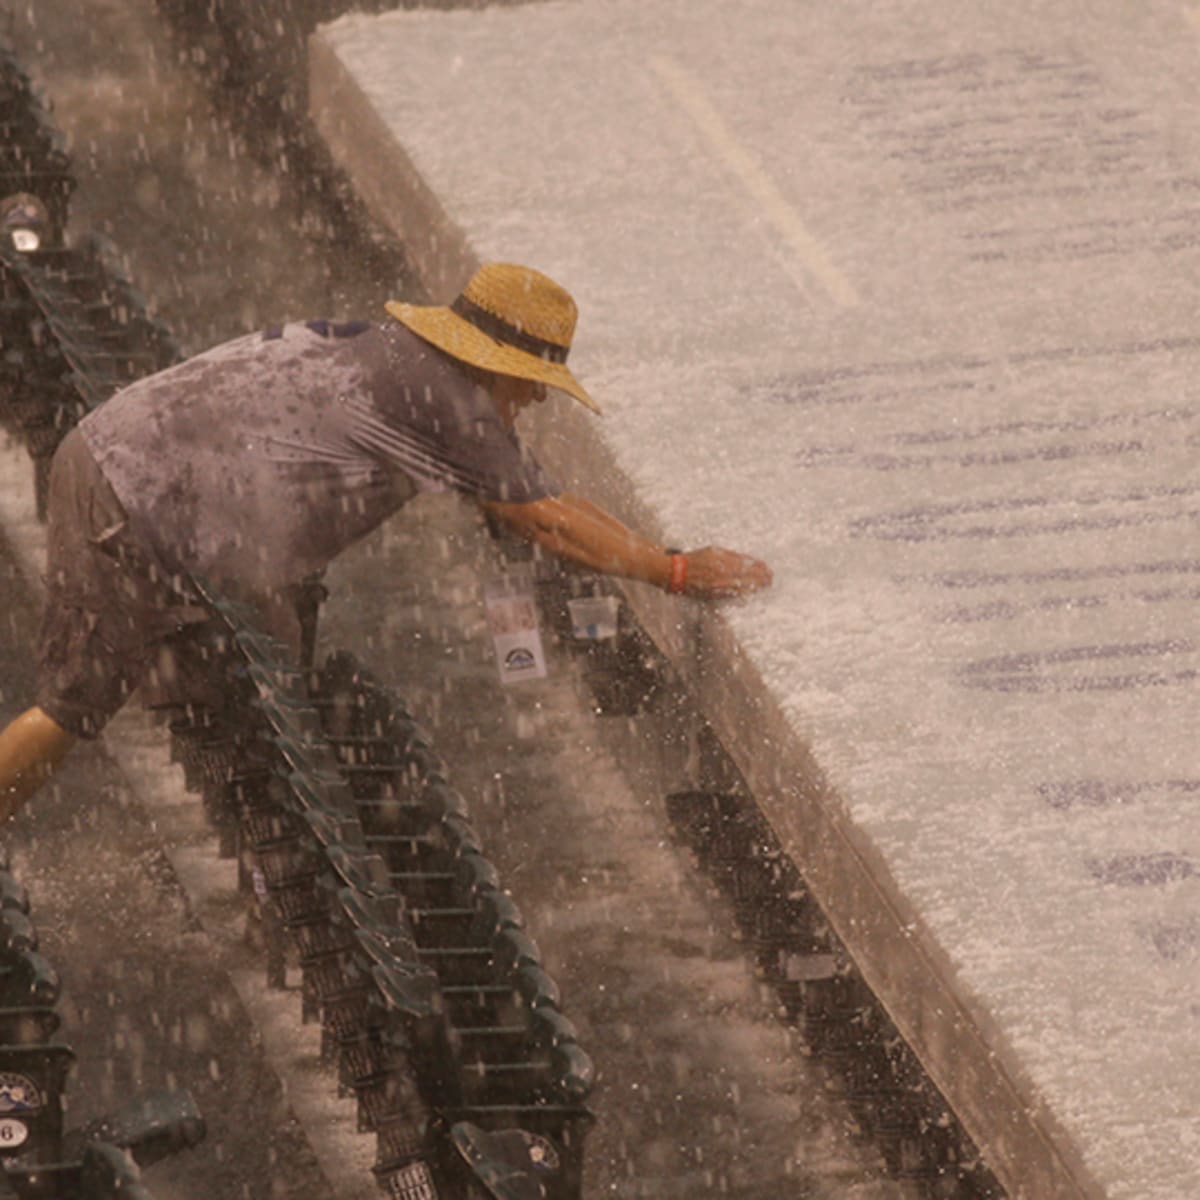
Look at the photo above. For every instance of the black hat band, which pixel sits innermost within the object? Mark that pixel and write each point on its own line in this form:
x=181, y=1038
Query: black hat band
x=498, y=328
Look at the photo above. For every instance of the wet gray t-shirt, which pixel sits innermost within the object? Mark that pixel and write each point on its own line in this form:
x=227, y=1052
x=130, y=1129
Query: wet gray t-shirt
x=260, y=460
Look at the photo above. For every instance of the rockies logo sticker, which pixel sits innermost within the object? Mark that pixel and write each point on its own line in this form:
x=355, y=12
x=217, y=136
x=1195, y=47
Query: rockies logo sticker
x=19, y=1094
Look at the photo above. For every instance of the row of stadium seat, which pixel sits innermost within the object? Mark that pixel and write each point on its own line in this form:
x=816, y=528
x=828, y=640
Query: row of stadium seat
x=33, y=156
x=820, y=990
x=73, y=333
x=99, y=1161
x=434, y=1005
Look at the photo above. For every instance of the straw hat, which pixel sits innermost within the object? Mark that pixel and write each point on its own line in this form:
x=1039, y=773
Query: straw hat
x=509, y=319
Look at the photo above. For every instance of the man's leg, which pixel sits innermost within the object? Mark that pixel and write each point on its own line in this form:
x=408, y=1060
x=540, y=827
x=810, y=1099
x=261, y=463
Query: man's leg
x=30, y=748
x=84, y=666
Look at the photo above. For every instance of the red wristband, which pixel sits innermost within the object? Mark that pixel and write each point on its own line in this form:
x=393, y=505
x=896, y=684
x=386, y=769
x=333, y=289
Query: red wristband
x=678, y=578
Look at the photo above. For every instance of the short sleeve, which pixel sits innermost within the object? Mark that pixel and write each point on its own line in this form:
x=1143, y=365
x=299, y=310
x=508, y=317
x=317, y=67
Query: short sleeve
x=427, y=419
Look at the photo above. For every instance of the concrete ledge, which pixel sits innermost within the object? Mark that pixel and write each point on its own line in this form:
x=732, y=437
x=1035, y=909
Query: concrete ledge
x=956, y=1040
x=910, y=755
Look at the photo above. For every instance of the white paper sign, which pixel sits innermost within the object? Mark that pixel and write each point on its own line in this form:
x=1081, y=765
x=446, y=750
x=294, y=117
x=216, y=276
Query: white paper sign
x=594, y=618
x=513, y=619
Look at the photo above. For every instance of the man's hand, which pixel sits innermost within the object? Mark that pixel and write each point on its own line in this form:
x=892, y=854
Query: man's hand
x=715, y=573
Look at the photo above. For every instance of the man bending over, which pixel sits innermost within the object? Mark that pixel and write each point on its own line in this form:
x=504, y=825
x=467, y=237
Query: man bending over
x=256, y=463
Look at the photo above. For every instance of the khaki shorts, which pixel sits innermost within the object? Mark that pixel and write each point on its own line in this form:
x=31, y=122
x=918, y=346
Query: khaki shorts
x=114, y=619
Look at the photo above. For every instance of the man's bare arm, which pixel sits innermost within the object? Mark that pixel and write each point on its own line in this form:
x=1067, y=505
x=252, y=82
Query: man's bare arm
x=583, y=533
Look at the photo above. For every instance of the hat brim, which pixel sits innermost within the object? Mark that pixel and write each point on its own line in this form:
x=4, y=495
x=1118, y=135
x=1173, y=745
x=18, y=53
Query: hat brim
x=445, y=329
